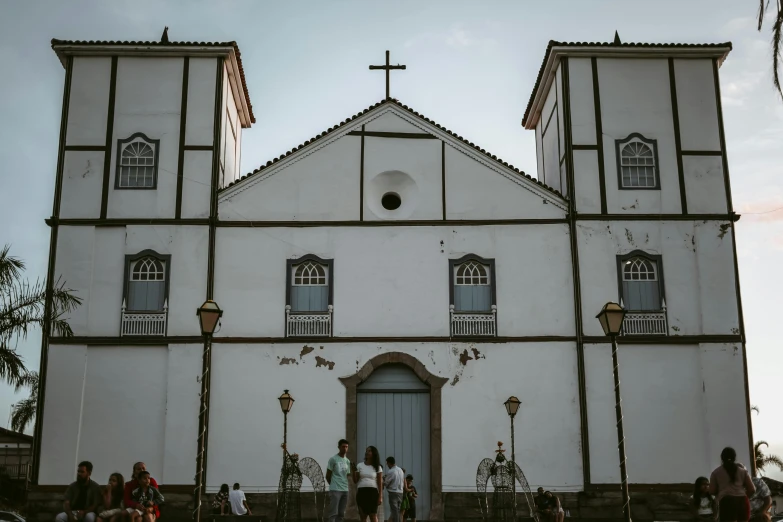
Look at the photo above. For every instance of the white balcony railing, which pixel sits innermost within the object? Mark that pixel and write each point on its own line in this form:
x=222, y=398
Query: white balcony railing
x=144, y=323
x=308, y=324
x=469, y=324
x=646, y=323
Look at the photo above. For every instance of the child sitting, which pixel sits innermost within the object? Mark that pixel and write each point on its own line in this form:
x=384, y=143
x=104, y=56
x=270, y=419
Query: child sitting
x=147, y=499
x=702, y=503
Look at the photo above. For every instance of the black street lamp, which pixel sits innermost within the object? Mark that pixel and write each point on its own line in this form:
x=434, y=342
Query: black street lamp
x=208, y=315
x=286, y=403
x=611, y=319
x=512, y=406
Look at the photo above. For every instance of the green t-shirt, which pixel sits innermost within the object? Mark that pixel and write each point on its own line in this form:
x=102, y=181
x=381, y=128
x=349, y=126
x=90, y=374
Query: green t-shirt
x=339, y=466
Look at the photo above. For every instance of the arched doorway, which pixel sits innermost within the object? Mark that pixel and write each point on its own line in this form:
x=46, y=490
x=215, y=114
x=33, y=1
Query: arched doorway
x=385, y=384
x=393, y=414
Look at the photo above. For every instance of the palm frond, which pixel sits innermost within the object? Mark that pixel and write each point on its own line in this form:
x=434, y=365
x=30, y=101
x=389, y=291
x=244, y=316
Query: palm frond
x=23, y=414
x=773, y=460
x=777, y=32
x=28, y=380
x=762, y=11
x=756, y=409
x=758, y=445
x=12, y=368
x=10, y=267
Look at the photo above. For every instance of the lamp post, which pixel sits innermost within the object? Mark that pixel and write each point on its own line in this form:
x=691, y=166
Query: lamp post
x=512, y=406
x=286, y=403
x=611, y=318
x=208, y=315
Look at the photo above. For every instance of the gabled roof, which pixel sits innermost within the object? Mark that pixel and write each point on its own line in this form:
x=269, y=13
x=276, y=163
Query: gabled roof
x=395, y=103
x=20, y=437
x=65, y=47
x=611, y=49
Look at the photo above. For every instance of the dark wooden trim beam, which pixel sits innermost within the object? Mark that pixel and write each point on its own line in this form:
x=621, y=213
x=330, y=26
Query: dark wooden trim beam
x=583, y=147
x=702, y=152
x=658, y=217
x=361, y=177
x=599, y=135
x=574, y=246
x=443, y=176
x=199, y=147
x=665, y=339
x=400, y=135
x=50, y=275
x=213, y=203
x=109, y=137
x=183, y=125
x=121, y=222
x=86, y=148
x=188, y=339
x=396, y=223
x=677, y=140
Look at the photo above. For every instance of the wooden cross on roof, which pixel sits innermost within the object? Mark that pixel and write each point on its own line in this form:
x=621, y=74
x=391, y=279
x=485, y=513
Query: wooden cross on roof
x=387, y=68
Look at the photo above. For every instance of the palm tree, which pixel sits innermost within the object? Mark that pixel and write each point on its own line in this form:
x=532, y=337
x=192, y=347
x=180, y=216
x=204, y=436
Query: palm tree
x=23, y=411
x=762, y=460
x=22, y=307
x=777, y=33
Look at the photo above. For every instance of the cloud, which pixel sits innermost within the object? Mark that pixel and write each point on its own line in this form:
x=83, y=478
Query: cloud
x=766, y=210
x=456, y=37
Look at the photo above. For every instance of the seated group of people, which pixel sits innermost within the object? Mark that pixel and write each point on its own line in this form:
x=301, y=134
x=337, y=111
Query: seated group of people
x=227, y=502
x=548, y=507
x=138, y=500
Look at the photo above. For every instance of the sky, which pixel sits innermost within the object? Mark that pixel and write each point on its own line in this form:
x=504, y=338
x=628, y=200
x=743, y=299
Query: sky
x=471, y=67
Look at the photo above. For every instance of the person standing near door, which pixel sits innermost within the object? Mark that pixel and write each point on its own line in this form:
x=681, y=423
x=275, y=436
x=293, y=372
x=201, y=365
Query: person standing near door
x=368, y=477
x=337, y=477
x=393, y=482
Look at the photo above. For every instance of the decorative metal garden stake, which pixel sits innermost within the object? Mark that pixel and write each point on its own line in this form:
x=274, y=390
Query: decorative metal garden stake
x=611, y=318
x=208, y=315
x=503, y=474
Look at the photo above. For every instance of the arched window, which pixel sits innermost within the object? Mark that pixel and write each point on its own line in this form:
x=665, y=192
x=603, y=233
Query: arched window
x=310, y=274
x=137, y=162
x=637, y=163
x=472, y=284
x=641, y=282
x=146, y=282
x=309, y=284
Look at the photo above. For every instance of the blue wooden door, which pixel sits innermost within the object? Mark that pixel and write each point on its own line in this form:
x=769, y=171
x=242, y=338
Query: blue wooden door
x=394, y=416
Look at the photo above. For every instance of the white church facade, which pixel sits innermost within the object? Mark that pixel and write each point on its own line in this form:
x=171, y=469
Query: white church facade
x=398, y=280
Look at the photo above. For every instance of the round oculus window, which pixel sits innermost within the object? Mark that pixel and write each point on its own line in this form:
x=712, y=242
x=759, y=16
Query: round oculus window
x=391, y=201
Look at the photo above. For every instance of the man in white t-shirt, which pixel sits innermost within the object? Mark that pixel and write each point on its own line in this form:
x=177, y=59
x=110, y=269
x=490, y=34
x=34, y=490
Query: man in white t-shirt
x=238, y=501
x=393, y=483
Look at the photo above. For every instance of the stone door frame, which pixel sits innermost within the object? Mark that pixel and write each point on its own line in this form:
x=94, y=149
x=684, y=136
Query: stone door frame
x=435, y=384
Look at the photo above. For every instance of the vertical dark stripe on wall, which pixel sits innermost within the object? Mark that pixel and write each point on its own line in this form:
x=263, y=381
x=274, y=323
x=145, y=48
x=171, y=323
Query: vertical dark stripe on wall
x=726, y=180
x=182, y=128
x=580, y=347
x=599, y=134
x=109, y=134
x=730, y=209
x=361, y=178
x=443, y=176
x=213, y=214
x=46, y=329
x=677, y=141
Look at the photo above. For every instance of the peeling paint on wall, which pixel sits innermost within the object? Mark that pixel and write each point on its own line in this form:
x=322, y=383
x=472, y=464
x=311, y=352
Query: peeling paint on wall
x=320, y=361
x=305, y=350
x=288, y=360
x=464, y=357
x=724, y=228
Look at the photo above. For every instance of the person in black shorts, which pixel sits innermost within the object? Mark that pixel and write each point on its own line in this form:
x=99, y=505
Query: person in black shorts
x=409, y=503
x=368, y=477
